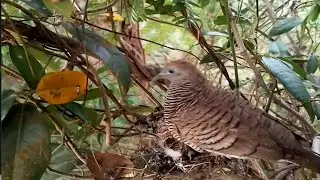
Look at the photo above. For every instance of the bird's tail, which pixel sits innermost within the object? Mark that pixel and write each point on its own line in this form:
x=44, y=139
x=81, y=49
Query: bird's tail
x=308, y=159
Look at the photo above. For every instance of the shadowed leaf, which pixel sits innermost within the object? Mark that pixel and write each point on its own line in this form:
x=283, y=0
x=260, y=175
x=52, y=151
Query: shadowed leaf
x=295, y=67
x=221, y=20
x=278, y=48
x=290, y=81
x=62, y=160
x=7, y=99
x=63, y=7
x=208, y=58
x=316, y=109
x=31, y=70
x=312, y=16
x=39, y=6
x=288, y=78
x=86, y=114
x=43, y=58
x=284, y=25
x=204, y=3
x=312, y=64
x=111, y=56
x=90, y=95
x=25, y=152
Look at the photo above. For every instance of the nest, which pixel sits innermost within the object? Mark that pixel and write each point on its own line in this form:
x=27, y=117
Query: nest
x=157, y=164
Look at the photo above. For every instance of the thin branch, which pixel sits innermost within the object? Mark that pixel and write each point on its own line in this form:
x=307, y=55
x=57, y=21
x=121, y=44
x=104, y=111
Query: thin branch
x=107, y=118
x=232, y=45
x=259, y=77
x=150, y=96
x=67, y=138
x=11, y=72
x=177, y=49
x=164, y=22
x=193, y=28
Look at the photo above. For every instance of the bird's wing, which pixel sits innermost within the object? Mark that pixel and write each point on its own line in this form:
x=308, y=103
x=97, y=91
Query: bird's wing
x=223, y=124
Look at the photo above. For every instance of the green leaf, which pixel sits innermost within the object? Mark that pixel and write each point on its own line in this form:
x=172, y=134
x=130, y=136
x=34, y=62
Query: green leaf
x=63, y=119
x=284, y=25
x=62, y=160
x=248, y=45
x=7, y=99
x=309, y=108
x=221, y=20
x=87, y=114
x=25, y=151
x=312, y=16
x=178, y=7
x=90, y=95
x=43, y=58
x=193, y=4
x=314, y=13
x=208, y=58
x=204, y=3
x=295, y=67
x=288, y=78
x=63, y=7
x=316, y=109
x=102, y=69
x=39, y=6
x=81, y=134
x=168, y=2
x=111, y=56
x=312, y=64
x=212, y=6
x=138, y=10
x=158, y=4
x=31, y=70
x=290, y=81
x=278, y=48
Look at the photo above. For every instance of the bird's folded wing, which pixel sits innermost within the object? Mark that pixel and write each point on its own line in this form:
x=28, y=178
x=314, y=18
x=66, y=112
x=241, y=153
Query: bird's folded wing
x=226, y=125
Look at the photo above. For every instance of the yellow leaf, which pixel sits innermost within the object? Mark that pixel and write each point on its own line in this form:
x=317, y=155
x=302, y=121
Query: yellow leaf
x=117, y=17
x=62, y=87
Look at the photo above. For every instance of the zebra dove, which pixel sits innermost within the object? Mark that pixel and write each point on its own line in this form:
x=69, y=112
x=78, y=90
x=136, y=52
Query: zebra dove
x=210, y=119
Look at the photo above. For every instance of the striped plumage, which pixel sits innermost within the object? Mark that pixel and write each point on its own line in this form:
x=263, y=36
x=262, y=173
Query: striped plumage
x=172, y=147
x=211, y=119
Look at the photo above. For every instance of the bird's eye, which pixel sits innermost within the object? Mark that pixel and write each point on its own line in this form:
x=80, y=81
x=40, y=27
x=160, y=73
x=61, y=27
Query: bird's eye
x=171, y=71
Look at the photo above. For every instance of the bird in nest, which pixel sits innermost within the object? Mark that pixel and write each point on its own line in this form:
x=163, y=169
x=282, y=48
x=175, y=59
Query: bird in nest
x=210, y=119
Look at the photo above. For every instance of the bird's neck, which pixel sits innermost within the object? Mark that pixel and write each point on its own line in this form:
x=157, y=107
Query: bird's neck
x=184, y=92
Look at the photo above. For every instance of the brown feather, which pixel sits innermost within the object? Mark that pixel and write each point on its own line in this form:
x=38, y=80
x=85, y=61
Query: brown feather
x=214, y=120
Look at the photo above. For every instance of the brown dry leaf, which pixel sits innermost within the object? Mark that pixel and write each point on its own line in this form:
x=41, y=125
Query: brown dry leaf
x=62, y=87
x=105, y=166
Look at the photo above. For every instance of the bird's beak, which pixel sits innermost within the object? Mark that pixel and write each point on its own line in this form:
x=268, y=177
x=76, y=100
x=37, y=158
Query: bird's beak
x=157, y=77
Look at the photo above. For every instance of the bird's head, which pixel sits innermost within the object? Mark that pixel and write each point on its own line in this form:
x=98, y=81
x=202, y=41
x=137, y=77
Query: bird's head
x=176, y=71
